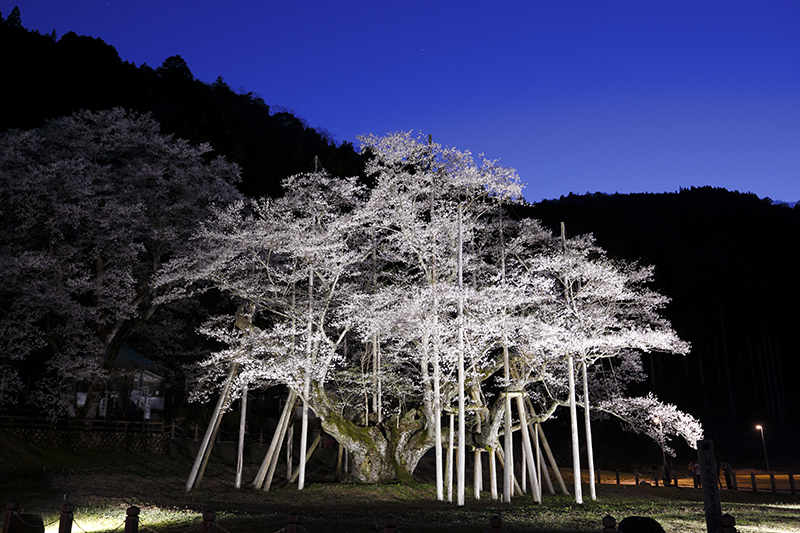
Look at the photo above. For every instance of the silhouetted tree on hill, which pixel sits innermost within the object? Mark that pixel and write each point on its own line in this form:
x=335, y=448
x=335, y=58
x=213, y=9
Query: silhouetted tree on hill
x=50, y=79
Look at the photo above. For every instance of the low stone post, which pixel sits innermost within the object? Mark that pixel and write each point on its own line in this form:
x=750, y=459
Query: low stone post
x=11, y=509
x=132, y=520
x=294, y=524
x=728, y=523
x=609, y=524
x=208, y=522
x=65, y=522
x=389, y=524
x=495, y=524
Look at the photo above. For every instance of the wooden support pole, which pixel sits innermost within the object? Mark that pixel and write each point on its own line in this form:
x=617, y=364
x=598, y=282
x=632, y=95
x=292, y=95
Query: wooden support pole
x=528, y=451
x=543, y=472
x=728, y=523
x=11, y=510
x=477, y=474
x=493, y=473
x=552, y=459
x=213, y=426
x=265, y=464
x=132, y=520
x=208, y=522
x=448, y=473
x=501, y=457
x=311, y=449
x=274, y=459
x=242, y=427
x=289, y=448
x=65, y=522
x=294, y=524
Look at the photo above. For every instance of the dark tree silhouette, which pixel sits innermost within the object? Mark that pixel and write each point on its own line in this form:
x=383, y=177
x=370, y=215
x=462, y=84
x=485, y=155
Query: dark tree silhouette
x=51, y=79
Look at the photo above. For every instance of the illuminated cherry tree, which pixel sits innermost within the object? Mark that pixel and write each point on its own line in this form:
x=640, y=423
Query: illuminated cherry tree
x=386, y=308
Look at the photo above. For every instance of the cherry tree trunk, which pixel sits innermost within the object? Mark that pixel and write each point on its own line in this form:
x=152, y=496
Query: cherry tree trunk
x=386, y=452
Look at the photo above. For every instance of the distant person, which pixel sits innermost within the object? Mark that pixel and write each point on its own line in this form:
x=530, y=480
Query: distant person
x=697, y=477
x=727, y=469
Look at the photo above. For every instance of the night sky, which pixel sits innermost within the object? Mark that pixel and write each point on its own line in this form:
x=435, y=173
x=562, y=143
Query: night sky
x=578, y=96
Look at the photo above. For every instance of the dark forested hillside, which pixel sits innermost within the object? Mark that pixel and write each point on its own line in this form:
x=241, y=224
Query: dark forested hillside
x=47, y=78
x=729, y=261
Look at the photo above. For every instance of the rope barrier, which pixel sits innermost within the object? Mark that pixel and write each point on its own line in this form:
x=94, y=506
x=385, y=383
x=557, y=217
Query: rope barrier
x=19, y=517
x=216, y=525
x=75, y=522
x=118, y=527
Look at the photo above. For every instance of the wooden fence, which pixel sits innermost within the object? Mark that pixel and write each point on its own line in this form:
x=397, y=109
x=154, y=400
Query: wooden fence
x=83, y=424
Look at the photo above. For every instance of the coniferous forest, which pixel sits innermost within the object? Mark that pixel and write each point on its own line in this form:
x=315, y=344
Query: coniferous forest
x=728, y=260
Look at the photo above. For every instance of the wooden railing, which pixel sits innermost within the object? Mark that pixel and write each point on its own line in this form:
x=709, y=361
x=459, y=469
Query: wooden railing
x=82, y=424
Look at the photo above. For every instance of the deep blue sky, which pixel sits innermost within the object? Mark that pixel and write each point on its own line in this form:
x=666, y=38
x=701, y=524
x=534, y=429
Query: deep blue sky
x=578, y=96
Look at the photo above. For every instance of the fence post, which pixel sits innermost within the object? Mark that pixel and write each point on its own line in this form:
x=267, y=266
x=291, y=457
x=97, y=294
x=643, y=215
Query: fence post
x=728, y=524
x=11, y=509
x=65, y=523
x=753, y=481
x=132, y=520
x=294, y=523
x=609, y=524
x=495, y=524
x=791, y=484
x=389, y=524
x=208, y=521
x=617, y=476
x=772, y=482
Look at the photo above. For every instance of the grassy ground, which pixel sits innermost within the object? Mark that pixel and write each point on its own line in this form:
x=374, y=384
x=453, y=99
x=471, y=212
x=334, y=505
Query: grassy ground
x=103, y=485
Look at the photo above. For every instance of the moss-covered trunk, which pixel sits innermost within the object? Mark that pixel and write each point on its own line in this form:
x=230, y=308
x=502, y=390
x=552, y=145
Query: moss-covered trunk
x=388, y=452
